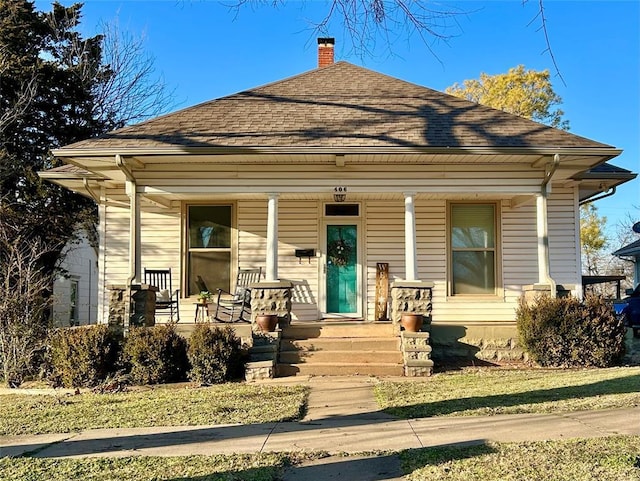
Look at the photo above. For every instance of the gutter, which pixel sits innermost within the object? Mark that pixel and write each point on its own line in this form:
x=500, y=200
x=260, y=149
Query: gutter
x=605, y=150
x=609, y=193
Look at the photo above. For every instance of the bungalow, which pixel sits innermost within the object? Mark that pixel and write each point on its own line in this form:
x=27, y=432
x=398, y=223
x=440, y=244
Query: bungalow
x=336, y=181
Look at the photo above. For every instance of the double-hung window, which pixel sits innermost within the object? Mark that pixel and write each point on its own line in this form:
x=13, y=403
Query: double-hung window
x=473, y=241
x=209, y=246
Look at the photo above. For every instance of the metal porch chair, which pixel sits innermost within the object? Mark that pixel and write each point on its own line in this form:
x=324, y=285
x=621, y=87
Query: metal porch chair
x=234, y=306
x=167, y=299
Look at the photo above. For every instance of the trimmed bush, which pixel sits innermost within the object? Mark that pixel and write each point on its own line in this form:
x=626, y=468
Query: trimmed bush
x=155, y=355
x=82, y=356
x=565, y=332
x=215, y=355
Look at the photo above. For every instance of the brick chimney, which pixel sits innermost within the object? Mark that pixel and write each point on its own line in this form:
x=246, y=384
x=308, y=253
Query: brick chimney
x=325, y=51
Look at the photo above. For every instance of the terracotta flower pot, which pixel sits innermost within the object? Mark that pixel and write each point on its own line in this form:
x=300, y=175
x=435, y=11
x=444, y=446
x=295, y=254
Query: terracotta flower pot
x=412, y=321
x=267, y=322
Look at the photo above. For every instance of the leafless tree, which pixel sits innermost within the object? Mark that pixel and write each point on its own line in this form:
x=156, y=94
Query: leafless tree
x=134, y=91
x=125, y=85
x=366, y=21
x=23, y=300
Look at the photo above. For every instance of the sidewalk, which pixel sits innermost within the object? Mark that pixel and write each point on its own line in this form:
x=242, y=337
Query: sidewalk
x=342, y=417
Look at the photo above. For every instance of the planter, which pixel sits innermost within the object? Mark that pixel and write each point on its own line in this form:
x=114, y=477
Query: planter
x=411, y=321
x=267, y=322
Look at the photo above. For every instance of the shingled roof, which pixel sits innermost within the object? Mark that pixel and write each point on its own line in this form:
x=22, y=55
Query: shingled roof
x=342, y=105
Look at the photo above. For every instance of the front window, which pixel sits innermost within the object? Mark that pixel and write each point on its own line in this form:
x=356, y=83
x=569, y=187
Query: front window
x=473, y=249
x=209, y=247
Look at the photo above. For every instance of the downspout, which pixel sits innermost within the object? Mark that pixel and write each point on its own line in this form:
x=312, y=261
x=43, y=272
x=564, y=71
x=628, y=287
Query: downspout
x=611, y=191
x=544, y=274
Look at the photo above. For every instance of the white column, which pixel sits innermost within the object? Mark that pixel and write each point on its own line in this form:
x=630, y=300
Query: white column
x=410, y=252
x=544, y=269
x=272, y=238
x=135, y=255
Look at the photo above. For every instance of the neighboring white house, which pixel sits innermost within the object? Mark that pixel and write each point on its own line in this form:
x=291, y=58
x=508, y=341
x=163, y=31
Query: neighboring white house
x=354, y=168
x=75, y=290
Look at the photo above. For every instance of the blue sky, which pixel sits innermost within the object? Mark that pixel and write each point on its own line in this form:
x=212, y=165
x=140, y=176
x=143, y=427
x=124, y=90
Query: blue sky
x=205, y=51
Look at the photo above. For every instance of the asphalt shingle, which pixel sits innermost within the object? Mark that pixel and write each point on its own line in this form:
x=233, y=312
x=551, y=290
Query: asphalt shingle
x=341, y=105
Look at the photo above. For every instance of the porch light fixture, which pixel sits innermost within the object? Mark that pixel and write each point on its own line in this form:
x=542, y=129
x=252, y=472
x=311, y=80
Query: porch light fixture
x=339, y=194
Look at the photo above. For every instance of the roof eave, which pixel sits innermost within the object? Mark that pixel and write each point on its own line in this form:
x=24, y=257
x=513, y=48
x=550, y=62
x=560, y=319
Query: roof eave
x=606, y=152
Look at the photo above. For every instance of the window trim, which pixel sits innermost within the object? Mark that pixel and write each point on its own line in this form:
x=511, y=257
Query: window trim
x=185, y=250
x=497, y=250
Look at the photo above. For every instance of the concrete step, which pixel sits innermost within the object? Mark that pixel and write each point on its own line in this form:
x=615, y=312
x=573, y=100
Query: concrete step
x=339, y=369
x=242, y=330
x=341, y=344
x=342, y=357
x=262, y=356
x=342, y=329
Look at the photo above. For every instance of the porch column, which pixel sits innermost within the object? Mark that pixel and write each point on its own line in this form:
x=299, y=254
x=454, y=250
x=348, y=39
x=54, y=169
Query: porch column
x=410, y=253
x=272, y=239
x=135, y=255
x=544, y=270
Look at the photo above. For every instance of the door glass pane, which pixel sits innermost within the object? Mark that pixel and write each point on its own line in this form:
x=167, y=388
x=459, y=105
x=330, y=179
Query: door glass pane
x=342, y=282
x=472, y=226
x=212, y=267
x=473, y=272
x=209, y=226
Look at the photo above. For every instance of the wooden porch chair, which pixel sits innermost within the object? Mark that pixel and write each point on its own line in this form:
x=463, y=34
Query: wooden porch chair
x=167, y=299
x=233, y=307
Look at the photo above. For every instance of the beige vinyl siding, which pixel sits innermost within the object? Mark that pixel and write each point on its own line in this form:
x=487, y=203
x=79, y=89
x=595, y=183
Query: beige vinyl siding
x=564, y=226
x=297, y=229
x=160, y=241
x=384, y=242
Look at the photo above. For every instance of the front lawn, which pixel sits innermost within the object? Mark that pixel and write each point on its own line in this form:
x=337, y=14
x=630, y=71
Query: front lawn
x=601, y=459
x=240, y=467
x=161, y=406
x=494, y=391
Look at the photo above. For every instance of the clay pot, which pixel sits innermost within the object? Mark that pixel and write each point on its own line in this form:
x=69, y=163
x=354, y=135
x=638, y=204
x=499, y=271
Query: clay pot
x=411, y=321
x=267, y=322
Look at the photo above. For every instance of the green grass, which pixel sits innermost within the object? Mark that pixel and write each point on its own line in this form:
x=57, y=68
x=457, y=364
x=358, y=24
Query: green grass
x=162, y=406
x=254, y=467
x=601, y=459
x=488, y=392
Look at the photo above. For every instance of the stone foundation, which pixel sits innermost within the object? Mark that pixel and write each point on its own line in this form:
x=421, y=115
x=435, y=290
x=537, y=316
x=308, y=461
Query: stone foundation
x=416, y=354
x=476, y=343
x=272, y=298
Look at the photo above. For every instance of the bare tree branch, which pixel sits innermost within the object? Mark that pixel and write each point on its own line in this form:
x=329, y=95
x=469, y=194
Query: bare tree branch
x=366, y=21
x=543, y=26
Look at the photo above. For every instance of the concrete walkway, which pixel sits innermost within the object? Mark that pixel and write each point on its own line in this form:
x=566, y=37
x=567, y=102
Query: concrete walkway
x=342, y=417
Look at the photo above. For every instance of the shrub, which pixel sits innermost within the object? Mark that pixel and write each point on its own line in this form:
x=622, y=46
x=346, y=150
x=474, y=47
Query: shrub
x=215, y=355
x=565, y=332
x=155, y=355
x=82, y=356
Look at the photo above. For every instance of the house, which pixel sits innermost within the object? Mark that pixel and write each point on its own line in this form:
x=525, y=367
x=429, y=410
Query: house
x=75, y=289
x=339, y=177
x=631, y=253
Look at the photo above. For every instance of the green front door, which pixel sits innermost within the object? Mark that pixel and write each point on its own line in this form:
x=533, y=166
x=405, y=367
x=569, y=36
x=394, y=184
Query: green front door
x=342, y=269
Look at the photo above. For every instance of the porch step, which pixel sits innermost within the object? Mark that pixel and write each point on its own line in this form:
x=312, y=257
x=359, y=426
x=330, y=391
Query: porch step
x=351, y=329
x=339, y=349
x=342, y=357
x=338, y=369
x=341, y=344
